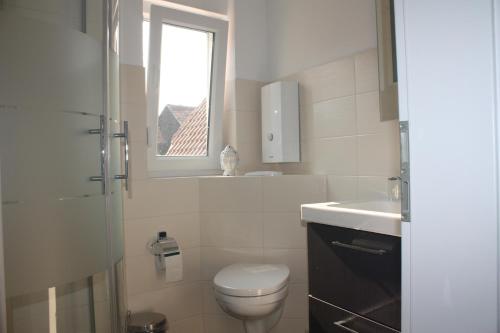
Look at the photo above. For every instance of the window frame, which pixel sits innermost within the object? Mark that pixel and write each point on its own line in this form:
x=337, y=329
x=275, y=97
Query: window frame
x=186, y=165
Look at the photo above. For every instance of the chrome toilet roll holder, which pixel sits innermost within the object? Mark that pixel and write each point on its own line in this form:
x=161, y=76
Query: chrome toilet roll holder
x=162, y=247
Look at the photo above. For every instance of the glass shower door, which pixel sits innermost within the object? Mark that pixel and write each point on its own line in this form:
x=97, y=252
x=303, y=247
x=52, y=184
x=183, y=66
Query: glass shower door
x=61, y=241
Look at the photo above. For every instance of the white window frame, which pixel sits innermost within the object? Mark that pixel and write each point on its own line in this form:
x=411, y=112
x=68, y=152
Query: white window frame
x=186, y=166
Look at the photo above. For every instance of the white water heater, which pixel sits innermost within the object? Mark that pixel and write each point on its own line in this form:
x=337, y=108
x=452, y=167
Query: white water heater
x=280, y=122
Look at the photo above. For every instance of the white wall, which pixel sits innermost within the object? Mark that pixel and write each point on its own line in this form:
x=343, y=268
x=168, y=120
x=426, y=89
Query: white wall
x=273, y=38
x=250, y=40
x=304, y=34
x=131, y=32
x=216, y=6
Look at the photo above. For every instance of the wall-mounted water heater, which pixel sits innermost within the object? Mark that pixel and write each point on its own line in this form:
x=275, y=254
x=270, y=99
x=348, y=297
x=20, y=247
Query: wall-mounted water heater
x=280, y=122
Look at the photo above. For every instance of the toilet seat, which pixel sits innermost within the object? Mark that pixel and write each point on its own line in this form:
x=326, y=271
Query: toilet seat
x=252, y=280
x=253, y=300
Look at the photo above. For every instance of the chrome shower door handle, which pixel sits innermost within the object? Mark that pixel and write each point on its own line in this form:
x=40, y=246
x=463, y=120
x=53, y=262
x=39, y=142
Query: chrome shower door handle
x=102, y=152
x=124, y=135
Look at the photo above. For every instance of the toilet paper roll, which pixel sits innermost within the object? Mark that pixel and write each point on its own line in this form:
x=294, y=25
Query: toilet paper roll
x=173, y=267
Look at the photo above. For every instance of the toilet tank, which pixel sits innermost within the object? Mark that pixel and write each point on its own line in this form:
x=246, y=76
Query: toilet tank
x=280, y=122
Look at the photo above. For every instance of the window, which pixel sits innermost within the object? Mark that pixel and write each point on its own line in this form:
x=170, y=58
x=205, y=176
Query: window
x=185, y=57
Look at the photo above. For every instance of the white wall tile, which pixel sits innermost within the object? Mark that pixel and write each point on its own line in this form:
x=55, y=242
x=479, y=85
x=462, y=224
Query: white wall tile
x=296, y=301
x=177, y=303
x=287, y=193
x=366, y=64
x=157, y=197
x=248, y=128
x=368, y=115
x=335, y=156
x=342, y=188
x=335, y=117
x=372, y=188
x=250, y=155
x=231, y=229
x=284, y=230
x=230, y=194
x=332, y=80
x=132, y=84
x=378, y=155
x=306, y=122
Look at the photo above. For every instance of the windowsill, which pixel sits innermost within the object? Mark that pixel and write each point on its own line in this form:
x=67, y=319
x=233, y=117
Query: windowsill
x=183, y=173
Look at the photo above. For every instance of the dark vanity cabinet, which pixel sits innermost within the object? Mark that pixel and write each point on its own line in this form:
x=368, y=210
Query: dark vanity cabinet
x=354, y=280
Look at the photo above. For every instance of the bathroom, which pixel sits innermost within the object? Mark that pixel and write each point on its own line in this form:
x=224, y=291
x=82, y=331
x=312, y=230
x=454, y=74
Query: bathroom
x=106, y=82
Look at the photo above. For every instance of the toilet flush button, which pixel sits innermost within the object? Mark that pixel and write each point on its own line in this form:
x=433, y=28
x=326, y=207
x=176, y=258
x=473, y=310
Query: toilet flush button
x=270, y=136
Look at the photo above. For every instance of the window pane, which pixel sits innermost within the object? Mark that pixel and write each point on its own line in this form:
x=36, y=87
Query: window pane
x=184, y=92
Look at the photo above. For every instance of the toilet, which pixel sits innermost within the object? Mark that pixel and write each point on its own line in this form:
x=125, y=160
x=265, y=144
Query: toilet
x=253, y=293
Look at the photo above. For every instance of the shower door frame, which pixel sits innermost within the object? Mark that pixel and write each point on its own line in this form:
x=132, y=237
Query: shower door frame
x=108, y=177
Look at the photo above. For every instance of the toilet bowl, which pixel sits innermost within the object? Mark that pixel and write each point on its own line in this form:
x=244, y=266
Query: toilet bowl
x=253, y=293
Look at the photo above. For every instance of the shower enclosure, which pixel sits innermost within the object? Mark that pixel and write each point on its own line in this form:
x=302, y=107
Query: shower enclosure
x=62, y=151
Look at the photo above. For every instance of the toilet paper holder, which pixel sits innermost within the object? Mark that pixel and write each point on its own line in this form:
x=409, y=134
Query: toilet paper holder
x=163, y=246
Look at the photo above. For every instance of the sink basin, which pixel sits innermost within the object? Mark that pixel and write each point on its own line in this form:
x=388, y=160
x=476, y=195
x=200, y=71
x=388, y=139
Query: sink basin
x=383, y=217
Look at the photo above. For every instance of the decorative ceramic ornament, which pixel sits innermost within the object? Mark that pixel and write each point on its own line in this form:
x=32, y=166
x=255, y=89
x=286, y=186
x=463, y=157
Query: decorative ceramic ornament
x=229, y=161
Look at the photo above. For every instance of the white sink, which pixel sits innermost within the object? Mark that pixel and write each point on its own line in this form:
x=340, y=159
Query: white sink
x=383, y=217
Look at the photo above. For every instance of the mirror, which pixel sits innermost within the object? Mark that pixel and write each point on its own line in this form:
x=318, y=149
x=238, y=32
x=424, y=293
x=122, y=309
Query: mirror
x=387, y=61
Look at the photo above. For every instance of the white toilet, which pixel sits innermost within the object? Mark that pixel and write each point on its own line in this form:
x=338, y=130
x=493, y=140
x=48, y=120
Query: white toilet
x=254, y=293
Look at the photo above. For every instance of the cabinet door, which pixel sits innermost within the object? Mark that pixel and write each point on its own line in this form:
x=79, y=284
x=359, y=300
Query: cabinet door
x=356, y=270
x=325, y=318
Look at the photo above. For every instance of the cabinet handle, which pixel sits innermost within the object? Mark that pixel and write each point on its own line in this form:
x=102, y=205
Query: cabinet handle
x=359, y=248
x=341, y=325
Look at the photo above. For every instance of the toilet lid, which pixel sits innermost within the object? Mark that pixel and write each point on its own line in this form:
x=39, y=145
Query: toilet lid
x=251, y=279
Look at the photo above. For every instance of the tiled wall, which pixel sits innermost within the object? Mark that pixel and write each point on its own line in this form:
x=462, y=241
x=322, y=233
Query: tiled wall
x=341, y=132
x=256, y=219
x=154, y=205
x=217, y=221
x=164, y=205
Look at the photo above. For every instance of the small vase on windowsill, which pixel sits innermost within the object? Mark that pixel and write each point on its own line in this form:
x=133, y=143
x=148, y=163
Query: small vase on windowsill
x=229, y=161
